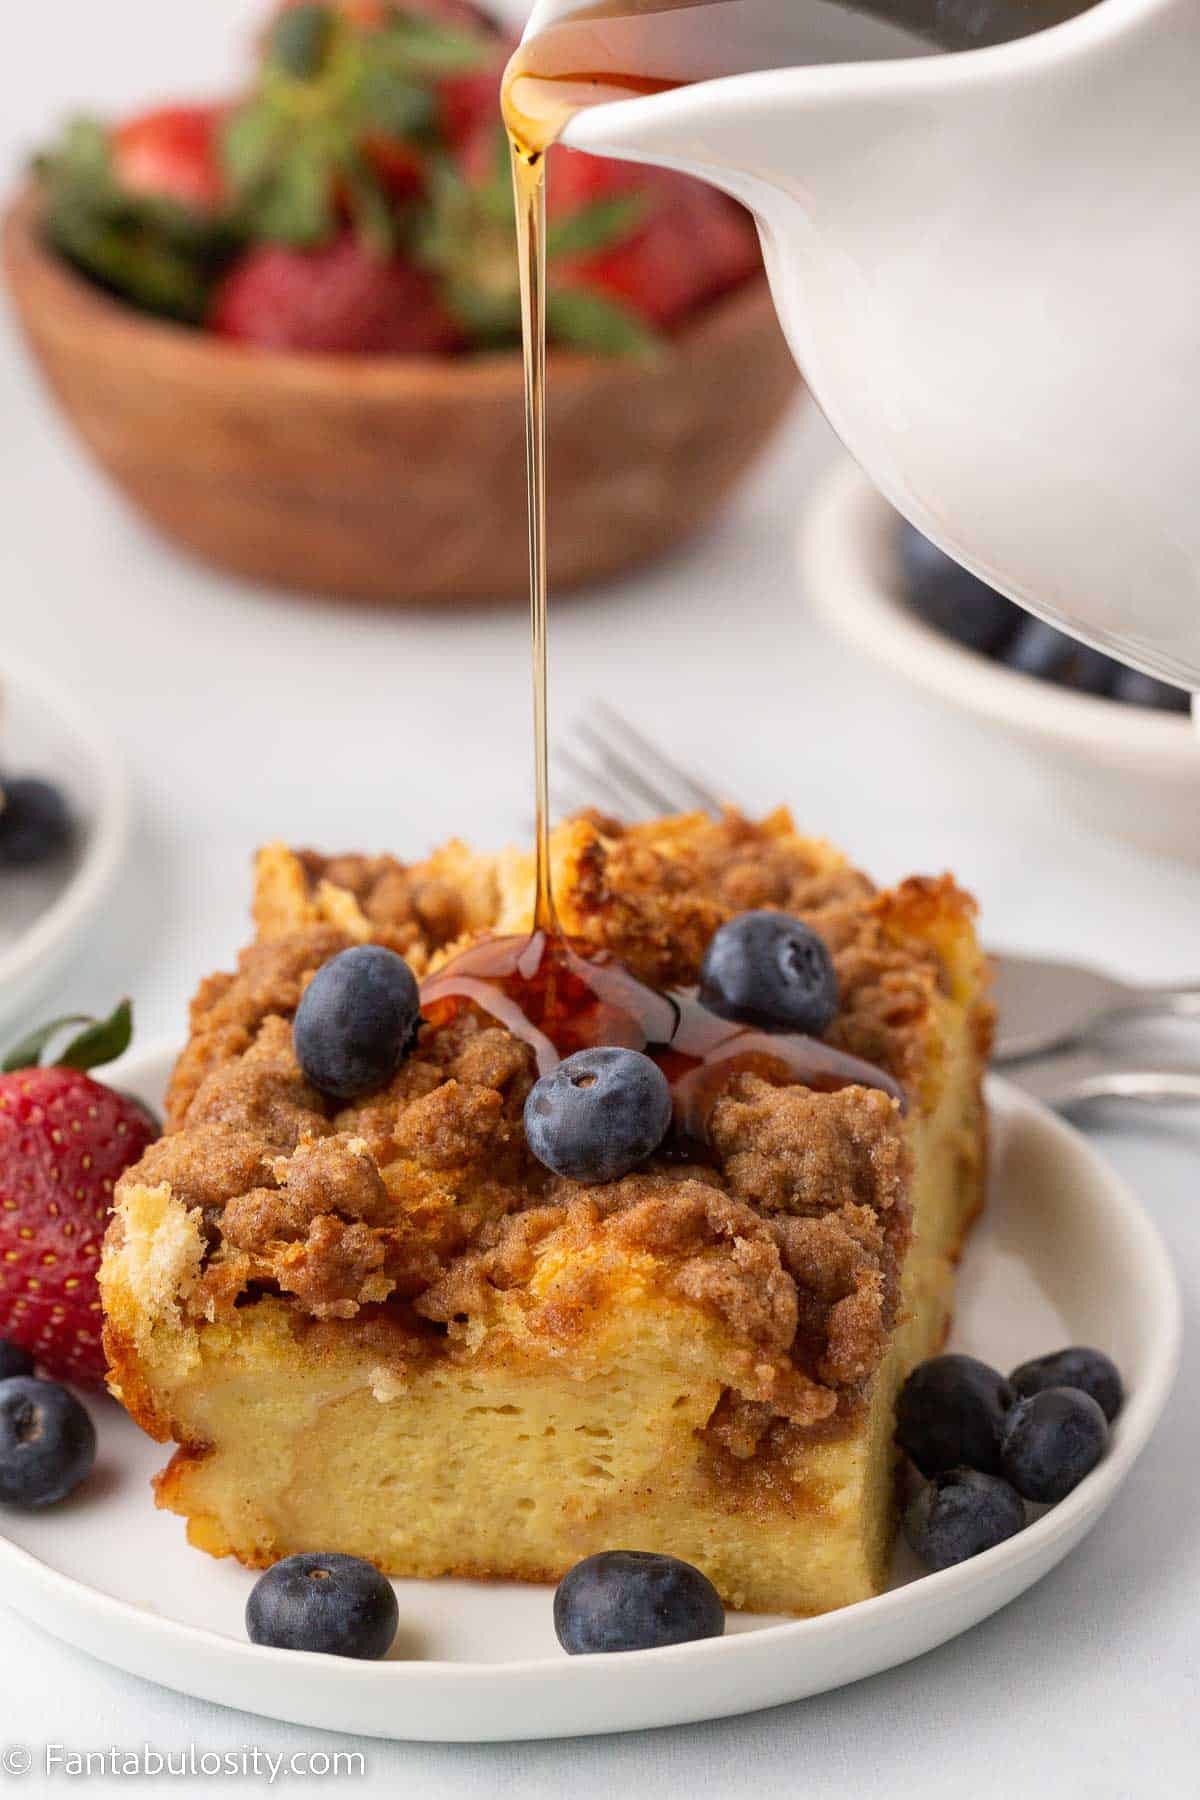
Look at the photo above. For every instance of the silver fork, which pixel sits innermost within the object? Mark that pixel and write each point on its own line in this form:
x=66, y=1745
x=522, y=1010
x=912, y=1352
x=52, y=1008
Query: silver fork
x=613, y=760
x=1075, y=1080
x=1044, y=1006
x=1047, y=1005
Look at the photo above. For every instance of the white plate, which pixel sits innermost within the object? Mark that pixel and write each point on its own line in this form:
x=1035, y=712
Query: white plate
x=44, y=913
x=1064, y=1255
x=1129, y=770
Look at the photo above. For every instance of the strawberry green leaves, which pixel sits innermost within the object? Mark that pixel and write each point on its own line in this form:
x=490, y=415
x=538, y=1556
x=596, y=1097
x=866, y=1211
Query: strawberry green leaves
x=413, y=45
x=335, y=110
x=300, y=40
x=298, y=152
x=580, y=319
x=154, y=251
x=101, y=1041
x=376, y=125
x=597, y=225
x=468, y=242
x=283, y=180
x=578, y=316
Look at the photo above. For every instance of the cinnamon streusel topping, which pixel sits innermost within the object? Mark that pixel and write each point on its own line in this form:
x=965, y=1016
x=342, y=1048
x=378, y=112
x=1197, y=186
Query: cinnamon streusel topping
x=426, y=1195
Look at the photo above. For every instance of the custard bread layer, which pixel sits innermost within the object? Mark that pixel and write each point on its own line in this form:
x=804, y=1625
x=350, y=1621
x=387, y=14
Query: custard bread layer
x=386, y=1329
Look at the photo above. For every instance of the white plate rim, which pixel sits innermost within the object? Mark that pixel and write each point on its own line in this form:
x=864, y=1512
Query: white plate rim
x=107, y=838
x=1042, y=1542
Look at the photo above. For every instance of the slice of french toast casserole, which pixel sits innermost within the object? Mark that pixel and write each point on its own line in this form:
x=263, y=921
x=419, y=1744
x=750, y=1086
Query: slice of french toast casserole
x=385, y=1328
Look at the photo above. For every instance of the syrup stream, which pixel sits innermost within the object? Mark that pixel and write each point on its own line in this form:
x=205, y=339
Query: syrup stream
x=556, y=996
x=529, y=191
x=559, y=998
x=620, y=49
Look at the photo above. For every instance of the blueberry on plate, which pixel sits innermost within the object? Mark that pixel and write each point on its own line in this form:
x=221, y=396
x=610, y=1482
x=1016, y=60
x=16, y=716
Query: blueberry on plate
x=598, y=1114
x=959, y=1514
x=770, y=970
x=1038, y=648
x=14, y=1360
x=1091, y=672
x=337, y=1605
x=634, y=1600
x=1051, y=1441
x=357, y=1021
x=1139, y=689
x=1041, y=649
x=35, y=823
x=1076, y=1367
x=951, y=599
x=951, y=1414
x=47, y=1442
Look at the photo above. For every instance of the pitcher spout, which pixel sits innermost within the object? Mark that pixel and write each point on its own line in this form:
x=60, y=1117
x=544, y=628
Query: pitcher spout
x=986, y=267
x=762, y=127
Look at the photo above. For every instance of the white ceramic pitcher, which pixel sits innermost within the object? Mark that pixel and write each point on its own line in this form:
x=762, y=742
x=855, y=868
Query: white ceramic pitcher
x=988, y=267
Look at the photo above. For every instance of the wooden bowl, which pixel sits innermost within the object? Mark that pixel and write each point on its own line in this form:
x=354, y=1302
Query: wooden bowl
x=393, y=478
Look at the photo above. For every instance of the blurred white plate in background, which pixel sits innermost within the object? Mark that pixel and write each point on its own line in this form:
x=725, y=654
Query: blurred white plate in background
x=1129, y=770
x=44, y=913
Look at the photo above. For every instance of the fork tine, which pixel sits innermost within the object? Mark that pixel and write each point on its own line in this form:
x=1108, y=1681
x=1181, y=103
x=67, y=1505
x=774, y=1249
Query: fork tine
x=599, y=782
x=694, y=792
x=622, y=768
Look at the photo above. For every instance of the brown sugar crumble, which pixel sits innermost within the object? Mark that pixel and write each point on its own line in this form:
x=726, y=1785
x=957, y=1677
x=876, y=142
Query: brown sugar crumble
x=426, y=1198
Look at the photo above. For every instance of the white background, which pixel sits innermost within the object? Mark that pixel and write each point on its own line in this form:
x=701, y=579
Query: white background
x=246, y=715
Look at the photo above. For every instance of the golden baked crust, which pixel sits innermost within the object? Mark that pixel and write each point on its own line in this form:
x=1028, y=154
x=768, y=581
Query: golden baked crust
x=416, y=1223
x=339, y=1208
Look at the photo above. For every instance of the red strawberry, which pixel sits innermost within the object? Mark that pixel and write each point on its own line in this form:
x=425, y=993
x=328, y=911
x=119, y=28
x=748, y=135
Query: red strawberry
x=691, y=243
x=467, y=102
x=631, y=250
x=469, y=242
x=338, y=299
x=64, y=1141
x=401, y=167
x=172, y=154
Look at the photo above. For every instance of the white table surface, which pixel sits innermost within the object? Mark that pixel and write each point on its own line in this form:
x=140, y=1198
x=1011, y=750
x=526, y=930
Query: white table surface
x=245, y=716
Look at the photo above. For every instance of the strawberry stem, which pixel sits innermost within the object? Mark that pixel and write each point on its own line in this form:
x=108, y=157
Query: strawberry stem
x=300, y=40
x=101, y=1041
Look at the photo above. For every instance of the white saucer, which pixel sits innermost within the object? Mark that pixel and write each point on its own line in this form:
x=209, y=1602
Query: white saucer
x=1064, y=1255
x=44, y=913
x=1131, y=771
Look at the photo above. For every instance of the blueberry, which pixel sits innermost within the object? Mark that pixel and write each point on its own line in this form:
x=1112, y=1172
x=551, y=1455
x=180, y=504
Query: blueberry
x=338, y=1605
x=14, y=1361
x=960, y=1513
x=599, y=1114
x=634, y=1600
x=47, y=1442
x=1091, y=672
x=951, y=599
x=1139, y=689
x=1051, y=1441
x=770, y=970
x=1041, y=649
x=35, y=823
x=1078, y=1367
x=1038, y=648
x=951, y=1413
x=357, y=1021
